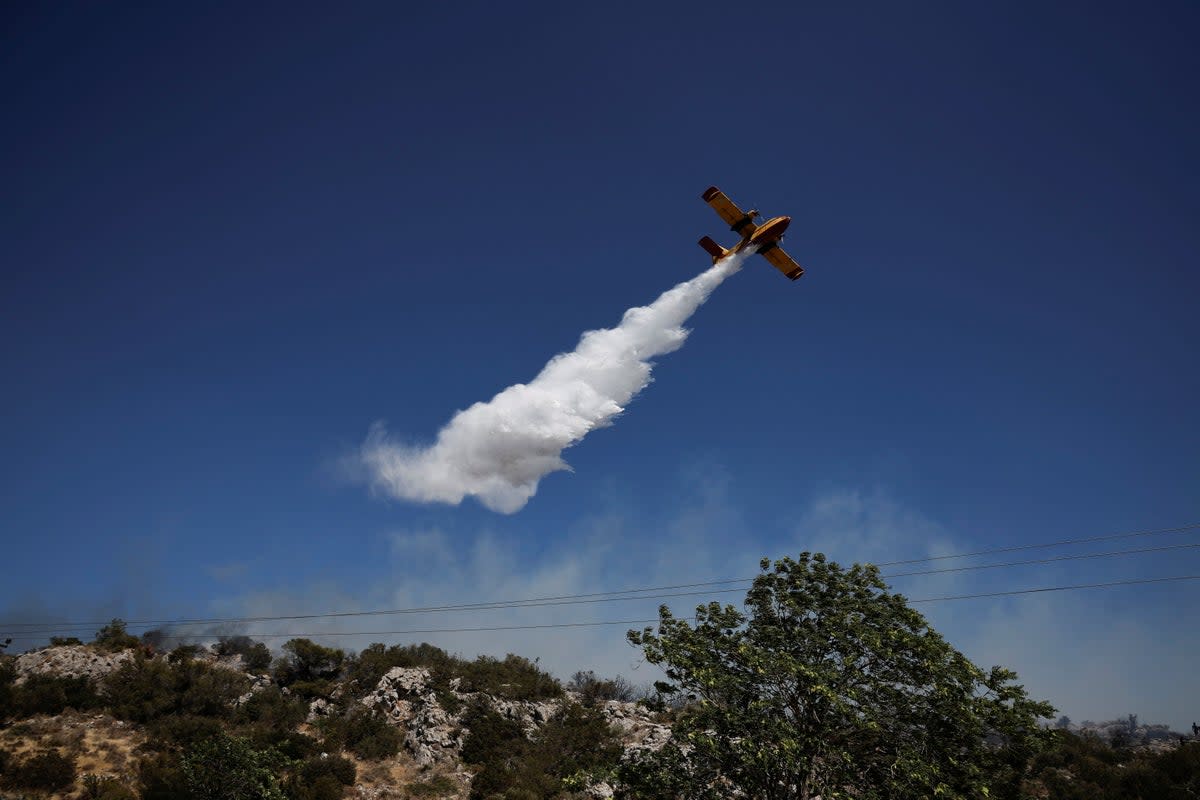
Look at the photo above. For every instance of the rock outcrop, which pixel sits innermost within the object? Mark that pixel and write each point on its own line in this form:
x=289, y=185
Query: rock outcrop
x=71, y=661
x=406, y=696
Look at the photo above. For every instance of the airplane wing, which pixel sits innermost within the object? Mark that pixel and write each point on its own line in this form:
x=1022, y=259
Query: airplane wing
x=737, y=220
x=782, y=261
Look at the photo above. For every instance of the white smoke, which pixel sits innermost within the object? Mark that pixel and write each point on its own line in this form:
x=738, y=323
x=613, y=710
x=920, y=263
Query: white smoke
x=498, y=451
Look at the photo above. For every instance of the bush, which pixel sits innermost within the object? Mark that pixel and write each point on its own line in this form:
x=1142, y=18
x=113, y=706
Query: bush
x=342, y=769
x=255, y=655
x=437, y=786
x=42, y=693
x=185, y=652
x=305, y=661
x=97, y=788
x=113, y=637
x=1087, y=768
x=325, y=787
x=575, y=743
x=229, y=768
x=182, y=730
x=575, y=740
x=491, y=737
x=514, y=678
x=593, y=690
x=49, y=771
x=64, y=641
x=272, y=707
x=310, y=690
x=147, y=689
x=363, y=732
x=155, y=638
x=364, y=670
x=289, y=744
x=8, y=675
x=321, y=778
x=160, y=777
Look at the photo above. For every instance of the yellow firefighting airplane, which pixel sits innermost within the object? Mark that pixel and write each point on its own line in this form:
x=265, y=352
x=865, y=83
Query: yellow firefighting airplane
x=762, y=238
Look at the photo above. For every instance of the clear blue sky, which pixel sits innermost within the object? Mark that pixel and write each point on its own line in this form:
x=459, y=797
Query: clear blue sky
x=236, y=235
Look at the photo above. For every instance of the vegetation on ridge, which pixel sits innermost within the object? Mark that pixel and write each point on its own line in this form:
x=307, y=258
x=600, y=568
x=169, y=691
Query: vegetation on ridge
x=824, y=684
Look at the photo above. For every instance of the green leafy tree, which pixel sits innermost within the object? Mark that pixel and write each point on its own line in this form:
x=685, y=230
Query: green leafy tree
x=229, y=768
x=830, y=686
x=113, y=637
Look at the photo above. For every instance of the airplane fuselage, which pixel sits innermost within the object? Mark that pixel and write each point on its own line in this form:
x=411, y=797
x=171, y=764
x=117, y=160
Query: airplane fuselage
x=766, y=236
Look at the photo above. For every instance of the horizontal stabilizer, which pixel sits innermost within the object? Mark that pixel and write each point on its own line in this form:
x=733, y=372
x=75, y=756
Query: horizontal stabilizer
x=715, y=250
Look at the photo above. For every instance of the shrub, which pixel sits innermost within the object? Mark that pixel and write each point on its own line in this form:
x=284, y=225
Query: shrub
x=64, y=641
x=490, y=737
x=290, y=744
x=363, y=732
x=339, y=767
x=182, y=730
x=577, y=739
x=160, y=777
x=364, y=670
x=311, y=690
x=185, y=652
x=593, y=690
x=272, y=707
x=575, y=742
x=255, y=655
x=229, y=768
x=113, y=637
x=49, y=771
x=321, y=778
x=307, y=661
x=155, y=638
x=146, y=689
x=437, y=786
x=325, y=787
x=43, y=693
x=514, y=678
x=8, y=675
x=97, y=788
x=141, y=690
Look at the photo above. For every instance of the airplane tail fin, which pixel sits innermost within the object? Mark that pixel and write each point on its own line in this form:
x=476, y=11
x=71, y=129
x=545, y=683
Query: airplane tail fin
x=715, y=250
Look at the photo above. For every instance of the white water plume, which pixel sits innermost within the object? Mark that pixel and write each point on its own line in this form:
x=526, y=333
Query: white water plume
x=498, y=451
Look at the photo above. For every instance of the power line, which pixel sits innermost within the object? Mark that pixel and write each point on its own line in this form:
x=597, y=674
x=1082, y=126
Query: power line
x=639, y=594
x=1060, y=543
x=1050, y=560
x=1104, y=585
x=547, y=625
x=588, y=600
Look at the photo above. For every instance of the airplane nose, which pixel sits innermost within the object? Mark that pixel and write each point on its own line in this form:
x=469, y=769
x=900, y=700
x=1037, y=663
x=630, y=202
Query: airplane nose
x=783, y=223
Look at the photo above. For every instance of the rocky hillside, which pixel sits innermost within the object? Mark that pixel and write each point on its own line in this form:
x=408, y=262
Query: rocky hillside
x=118, y=720
x=128, y=722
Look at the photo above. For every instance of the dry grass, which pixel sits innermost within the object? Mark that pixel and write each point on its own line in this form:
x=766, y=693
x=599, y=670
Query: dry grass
x=383, y=779
x=100, y=744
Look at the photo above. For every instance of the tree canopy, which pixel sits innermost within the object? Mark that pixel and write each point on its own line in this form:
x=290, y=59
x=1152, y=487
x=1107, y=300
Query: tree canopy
x=829, y=685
